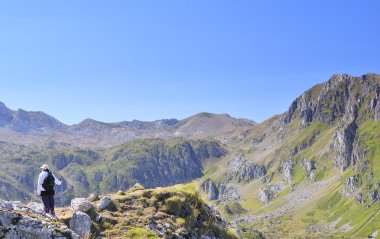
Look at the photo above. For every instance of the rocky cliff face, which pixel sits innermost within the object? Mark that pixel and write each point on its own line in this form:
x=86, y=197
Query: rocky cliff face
x=151, y=162
x=344, y=101
x=209, y=187
x=243, y=171
x=336, y=98
x=6, y=115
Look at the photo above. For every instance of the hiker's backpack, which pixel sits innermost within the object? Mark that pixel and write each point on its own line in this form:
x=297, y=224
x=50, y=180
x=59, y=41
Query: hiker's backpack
x=48, y=183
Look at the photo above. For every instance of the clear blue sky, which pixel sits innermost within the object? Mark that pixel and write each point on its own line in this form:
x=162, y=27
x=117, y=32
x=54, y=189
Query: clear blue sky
x=147, y=60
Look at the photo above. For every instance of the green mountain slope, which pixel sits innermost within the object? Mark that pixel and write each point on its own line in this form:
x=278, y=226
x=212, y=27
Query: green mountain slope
x=321, y=160
x=151, y=162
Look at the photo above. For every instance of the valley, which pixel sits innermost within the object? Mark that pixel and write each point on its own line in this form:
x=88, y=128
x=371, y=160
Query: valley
x=311, y=172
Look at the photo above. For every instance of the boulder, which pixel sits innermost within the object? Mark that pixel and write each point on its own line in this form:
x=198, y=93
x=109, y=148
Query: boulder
x=80, y=223
x=81, y=204
x=104, y=202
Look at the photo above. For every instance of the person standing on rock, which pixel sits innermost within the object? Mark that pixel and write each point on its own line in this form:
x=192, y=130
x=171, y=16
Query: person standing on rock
x=45, y=188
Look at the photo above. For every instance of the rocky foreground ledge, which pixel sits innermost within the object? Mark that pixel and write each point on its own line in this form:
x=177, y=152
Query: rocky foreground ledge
x=174, y=212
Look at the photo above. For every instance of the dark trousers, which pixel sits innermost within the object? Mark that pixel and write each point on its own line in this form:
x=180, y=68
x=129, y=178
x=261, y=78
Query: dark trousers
x=48, y=201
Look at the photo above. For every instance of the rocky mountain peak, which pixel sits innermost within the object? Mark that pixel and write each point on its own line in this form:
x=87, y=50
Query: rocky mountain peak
x=341, y=96
x=5, y=115
x=25, y=121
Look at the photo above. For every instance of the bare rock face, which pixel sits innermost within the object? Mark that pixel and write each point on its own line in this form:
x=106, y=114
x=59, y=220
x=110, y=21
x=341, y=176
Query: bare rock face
x=242, y=170
x=310, y=167
x=80, y=223
x=374, y=196
x=351, y=185
x=344, y=144
x=288, y=170
x=344, y=101
x=333, y=99
x=6, y=115
x=209, y=187
x=229, y=192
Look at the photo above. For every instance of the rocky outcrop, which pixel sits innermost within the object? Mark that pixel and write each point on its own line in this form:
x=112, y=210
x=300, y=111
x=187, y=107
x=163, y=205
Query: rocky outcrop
x=310, y=167
x=243, y=171
x=269, y=193
x=104, y=202
x=343, y=145
x=351, y=185
x=22, y=221
x=6, y=115
x=333, y=99
x=229, y=192
x=82, y=157
x=143, y=213
x=209, y=187
x=288, y=170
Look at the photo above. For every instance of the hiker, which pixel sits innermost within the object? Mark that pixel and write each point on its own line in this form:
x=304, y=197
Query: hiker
x=45, y=188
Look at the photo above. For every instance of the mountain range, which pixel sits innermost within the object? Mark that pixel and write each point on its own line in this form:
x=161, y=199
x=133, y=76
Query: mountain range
x=28, y=125
x=312, y=171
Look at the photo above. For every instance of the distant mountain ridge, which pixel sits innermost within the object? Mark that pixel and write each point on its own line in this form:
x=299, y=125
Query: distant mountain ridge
x=24, y=121
x=26, y=124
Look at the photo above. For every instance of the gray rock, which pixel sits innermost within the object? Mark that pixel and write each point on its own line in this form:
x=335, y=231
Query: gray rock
x=80, y=223
x=288, y=170
x=374, y=196
x=351, y=185
x=229, y=192
x=310, y=167
x=81, y=204
x=5, y=205
x=37, y=207
x=267, y=178
x=15, y=225
x=360, y=198
x=242, y=170
x=209, y=187
x=104, y=202
x=269, y=193
x=344, y=144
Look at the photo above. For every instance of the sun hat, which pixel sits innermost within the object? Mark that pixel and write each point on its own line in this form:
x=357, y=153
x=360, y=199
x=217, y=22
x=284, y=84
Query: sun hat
x=44, y=167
